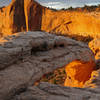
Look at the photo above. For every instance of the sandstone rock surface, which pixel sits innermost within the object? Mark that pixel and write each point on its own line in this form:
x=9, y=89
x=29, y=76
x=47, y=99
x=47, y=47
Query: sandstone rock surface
x=46, y=91
x=71, y=23
x=19, y=69
x=95, y=47
x=78, y=73
x=20, y=15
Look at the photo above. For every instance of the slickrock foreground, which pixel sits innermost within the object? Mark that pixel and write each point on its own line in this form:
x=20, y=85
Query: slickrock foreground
x=26, y=56
x=46, y=91
x=28, y=15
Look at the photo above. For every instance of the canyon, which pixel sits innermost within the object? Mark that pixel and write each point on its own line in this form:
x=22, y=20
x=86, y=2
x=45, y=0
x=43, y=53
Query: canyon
x=34, y=42
x=28, y=15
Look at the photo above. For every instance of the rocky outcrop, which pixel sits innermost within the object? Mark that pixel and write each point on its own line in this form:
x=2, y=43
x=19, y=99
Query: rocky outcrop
x=26, y=56
x=28, y=15
x=13, y=16
x=77, y=70
x=78, y=73
x=71, y=23
x=95, y=47
x=33, y=15
x=45, y=91
x=20, y=15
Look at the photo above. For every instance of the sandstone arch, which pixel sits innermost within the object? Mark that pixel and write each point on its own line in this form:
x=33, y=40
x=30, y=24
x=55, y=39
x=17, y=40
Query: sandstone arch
x=16, y=75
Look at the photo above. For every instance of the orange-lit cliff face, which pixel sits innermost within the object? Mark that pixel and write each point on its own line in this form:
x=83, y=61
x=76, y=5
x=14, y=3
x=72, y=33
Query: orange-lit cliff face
x=68, y=22
x=78, y=72
x=20, y=15
x=28, y=15
x=12, y=18
x=33, y=15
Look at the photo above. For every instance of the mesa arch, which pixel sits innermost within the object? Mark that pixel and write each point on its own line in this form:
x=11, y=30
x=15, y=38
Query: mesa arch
x=16, y=74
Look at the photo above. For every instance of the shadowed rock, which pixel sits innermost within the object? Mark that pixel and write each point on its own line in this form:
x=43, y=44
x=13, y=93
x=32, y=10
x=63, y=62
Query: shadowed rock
x=20, y=15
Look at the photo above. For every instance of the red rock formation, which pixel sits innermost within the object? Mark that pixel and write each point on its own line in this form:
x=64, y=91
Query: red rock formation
x=12, y=18
x=85, y=24
x=22, y=15
x=78, y=72
x=33, y=14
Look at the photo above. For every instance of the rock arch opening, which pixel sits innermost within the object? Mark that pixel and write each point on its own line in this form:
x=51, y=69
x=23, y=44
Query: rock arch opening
x=78, y=72
x=75, y=74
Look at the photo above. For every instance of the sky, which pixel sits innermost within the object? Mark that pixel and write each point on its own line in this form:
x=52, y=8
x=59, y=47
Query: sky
x=58, y=4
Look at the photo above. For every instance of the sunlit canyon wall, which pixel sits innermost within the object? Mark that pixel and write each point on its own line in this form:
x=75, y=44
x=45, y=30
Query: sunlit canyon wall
x=28, y=15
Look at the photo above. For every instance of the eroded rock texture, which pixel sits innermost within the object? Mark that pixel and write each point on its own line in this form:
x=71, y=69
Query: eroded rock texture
x=12, y=18
x=78, y=73
x=95, y=47
x=26, y=56
x=45, y=91
x=20, y=15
